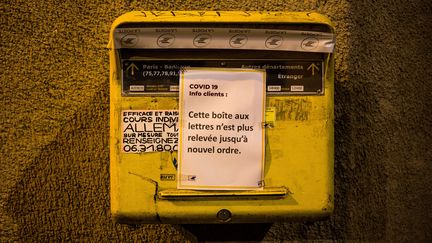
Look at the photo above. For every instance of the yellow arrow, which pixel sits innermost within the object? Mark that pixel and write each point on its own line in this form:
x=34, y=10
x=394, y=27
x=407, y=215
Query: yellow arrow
x=313, y=67
x=132, y=67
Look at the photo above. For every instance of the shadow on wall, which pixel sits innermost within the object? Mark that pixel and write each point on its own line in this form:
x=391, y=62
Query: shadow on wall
x=64, y=193
x=64, y=187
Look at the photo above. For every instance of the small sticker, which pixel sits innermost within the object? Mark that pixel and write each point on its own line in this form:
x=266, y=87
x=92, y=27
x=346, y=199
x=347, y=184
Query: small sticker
x=136, y=88
x=167, y=177
x=174, y=88
x=270, y=115
x=297, y=88
x=274, y=88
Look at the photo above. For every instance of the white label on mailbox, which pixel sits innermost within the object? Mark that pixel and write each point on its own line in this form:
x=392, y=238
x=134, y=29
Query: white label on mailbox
x=297, y=88
x=136, y=88
x=149, y=130
x=221, y=144
x=274, y=88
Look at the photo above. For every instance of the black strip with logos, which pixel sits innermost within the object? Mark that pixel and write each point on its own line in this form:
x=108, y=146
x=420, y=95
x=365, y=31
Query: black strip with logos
x=283, y=76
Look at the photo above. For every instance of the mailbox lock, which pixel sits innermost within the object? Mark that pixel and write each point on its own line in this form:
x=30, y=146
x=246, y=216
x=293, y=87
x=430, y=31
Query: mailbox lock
x=224, y=215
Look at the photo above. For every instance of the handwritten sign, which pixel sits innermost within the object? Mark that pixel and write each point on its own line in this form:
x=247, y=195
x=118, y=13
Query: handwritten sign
x=221, y=129
x=149, y=130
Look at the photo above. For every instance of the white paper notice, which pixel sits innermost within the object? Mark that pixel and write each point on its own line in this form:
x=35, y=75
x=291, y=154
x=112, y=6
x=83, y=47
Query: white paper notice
x=221, y=133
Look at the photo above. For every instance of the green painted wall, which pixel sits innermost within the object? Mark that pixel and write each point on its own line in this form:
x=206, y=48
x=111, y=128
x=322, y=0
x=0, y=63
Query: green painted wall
x=54, y=178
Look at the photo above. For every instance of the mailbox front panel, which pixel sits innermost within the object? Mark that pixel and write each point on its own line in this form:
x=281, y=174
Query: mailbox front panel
x=149, y=51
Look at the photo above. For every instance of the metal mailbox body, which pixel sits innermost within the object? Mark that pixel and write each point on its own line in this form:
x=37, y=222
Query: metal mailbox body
x=298, y=177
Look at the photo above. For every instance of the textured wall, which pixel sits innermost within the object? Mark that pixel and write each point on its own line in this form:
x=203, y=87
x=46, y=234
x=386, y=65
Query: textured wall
x=54, y=178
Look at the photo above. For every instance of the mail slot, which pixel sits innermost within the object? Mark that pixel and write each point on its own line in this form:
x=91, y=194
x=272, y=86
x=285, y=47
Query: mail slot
x=221, y=117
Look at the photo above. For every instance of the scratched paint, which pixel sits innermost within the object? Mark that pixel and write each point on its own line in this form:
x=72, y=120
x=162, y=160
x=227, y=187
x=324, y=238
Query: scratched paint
x=292, y=109
x=208, y=13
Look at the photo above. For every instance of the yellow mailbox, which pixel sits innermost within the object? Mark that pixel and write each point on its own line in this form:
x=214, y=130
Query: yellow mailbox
x=220, y=117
